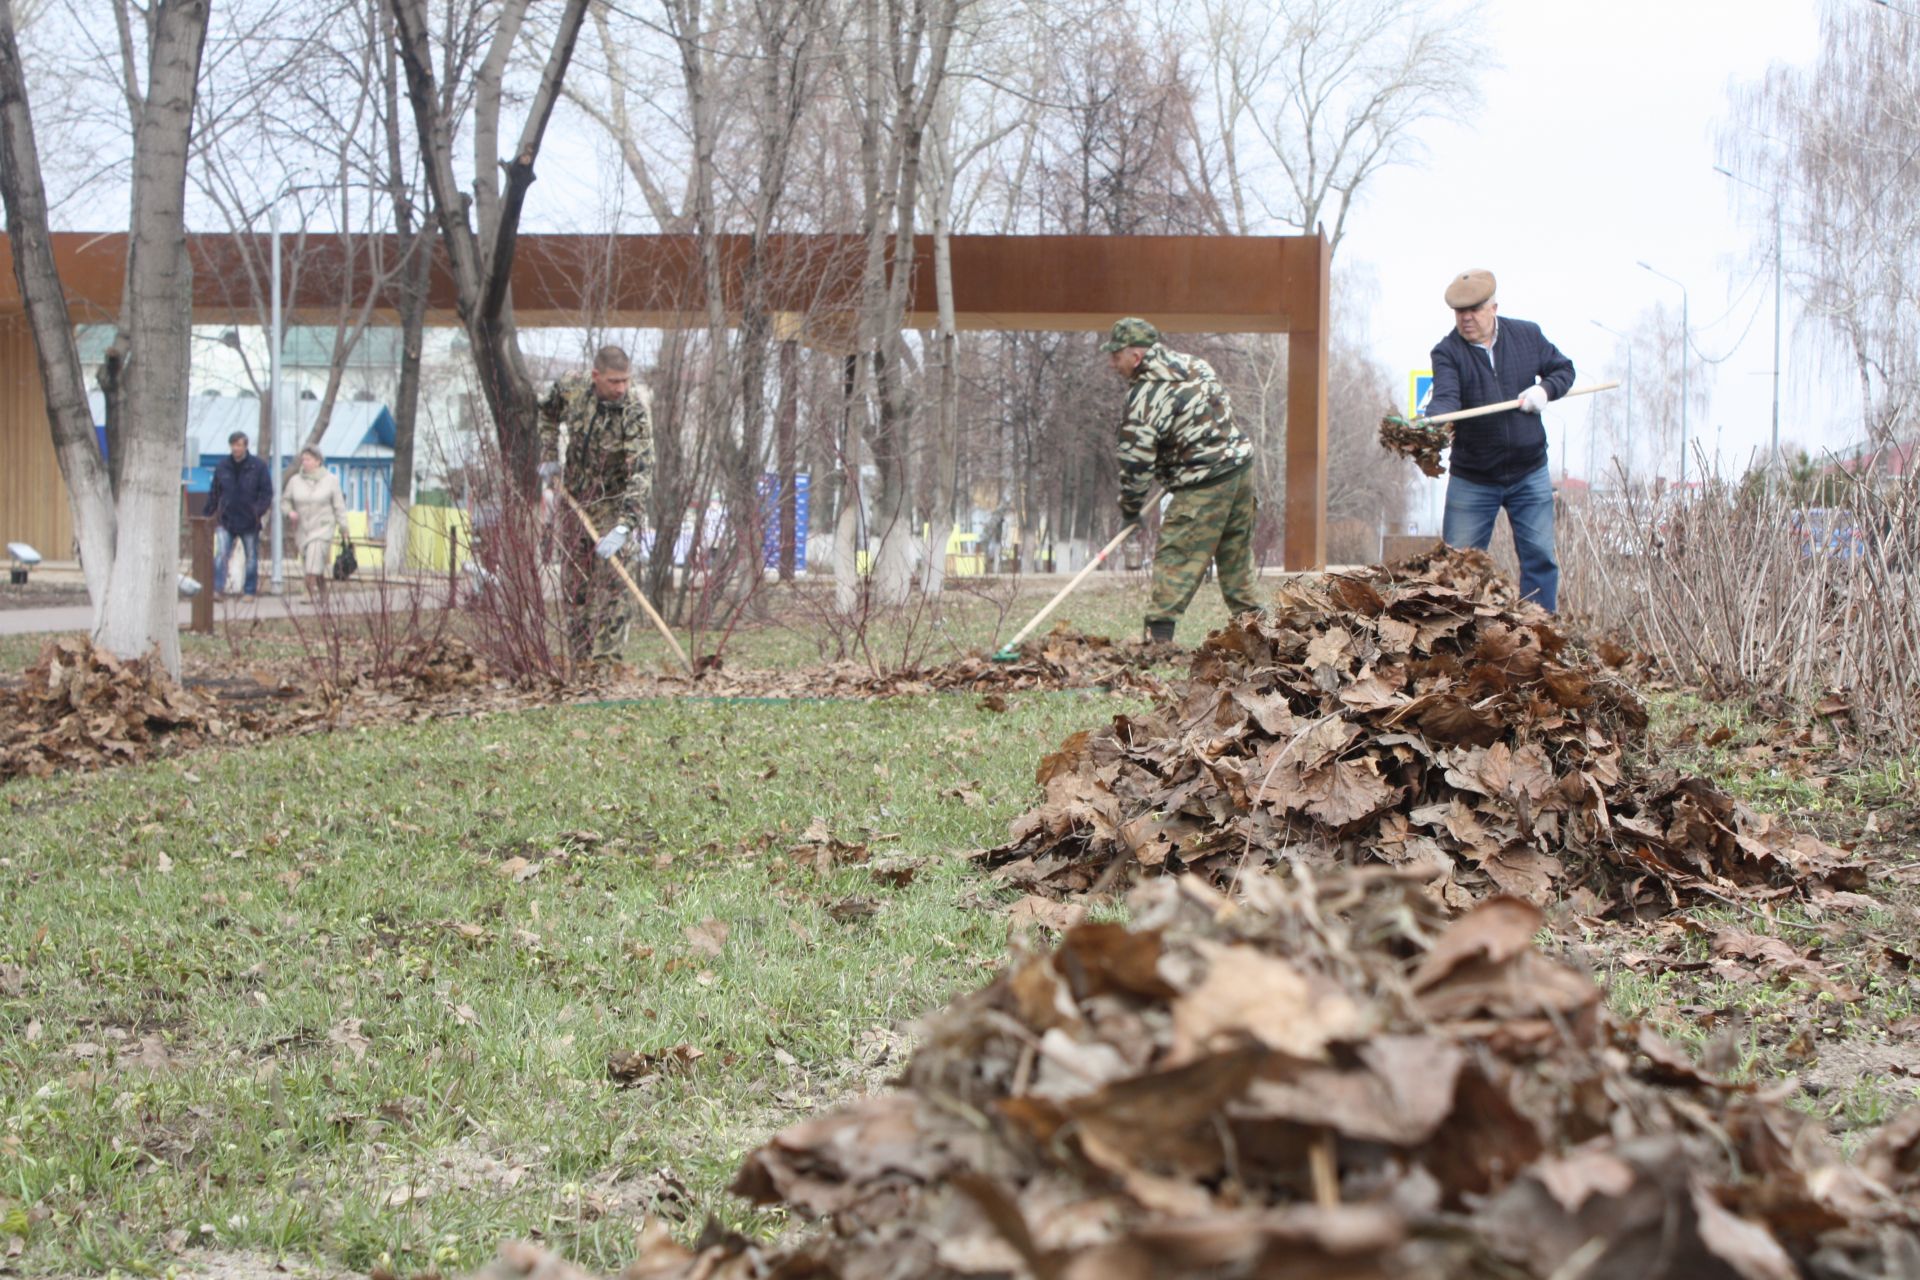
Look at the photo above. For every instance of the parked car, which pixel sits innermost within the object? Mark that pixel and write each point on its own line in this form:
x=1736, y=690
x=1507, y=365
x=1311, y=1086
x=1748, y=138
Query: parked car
x=1829, y=531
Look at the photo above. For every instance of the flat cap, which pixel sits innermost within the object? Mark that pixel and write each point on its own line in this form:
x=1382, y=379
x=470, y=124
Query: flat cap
x=1130, y=332
x=1469, y=289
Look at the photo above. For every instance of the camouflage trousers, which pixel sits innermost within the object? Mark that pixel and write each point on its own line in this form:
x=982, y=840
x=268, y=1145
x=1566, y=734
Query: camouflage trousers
x=1209, y=522
x=596, y=603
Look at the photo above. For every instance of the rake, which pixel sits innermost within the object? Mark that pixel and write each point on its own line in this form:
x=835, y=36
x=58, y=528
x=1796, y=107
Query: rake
x=1422, y=439
x=1008, y=652
x=633, y=588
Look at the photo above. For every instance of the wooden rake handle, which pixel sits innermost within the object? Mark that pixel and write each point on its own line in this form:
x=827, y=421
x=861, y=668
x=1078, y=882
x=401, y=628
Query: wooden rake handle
x=632, y=586
x=1459, y=414
x=1067, y=590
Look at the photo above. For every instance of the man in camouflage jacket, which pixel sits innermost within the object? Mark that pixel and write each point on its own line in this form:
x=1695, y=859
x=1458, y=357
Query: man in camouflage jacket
x=1179, y=428
x=596, y=437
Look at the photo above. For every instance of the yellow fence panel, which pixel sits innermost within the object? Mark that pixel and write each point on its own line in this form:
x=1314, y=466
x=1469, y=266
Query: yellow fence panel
x=430, y=540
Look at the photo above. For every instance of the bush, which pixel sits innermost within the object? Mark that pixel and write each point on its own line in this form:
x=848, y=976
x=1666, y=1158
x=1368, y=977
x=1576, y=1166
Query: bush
x=1746, y=588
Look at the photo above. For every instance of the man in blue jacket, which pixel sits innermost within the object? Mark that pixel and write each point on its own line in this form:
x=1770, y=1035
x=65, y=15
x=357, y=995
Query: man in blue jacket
x=1499, y=460
x=242, y=493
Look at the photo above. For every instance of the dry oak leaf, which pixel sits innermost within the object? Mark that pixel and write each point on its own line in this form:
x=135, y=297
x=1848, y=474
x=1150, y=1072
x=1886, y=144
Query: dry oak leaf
x=1346, y=792
x=347, y=1034
x=629, y=1067
x=1248, y=993
x=1496, y=930
x=709, y=937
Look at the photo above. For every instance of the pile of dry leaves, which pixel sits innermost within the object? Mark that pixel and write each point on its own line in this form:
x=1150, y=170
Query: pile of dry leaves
x=1312, y=1079
x=1415, y=714
x=81, y=708
x=1418, y=439
x=1061, y=659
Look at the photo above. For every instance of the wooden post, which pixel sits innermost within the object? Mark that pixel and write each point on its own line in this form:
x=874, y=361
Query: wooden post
x=1306, y=515
x=201, y=618
x=785, y=415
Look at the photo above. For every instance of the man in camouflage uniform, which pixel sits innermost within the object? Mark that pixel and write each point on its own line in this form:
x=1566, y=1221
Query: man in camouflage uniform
x=595, y=436
x=1179, y=428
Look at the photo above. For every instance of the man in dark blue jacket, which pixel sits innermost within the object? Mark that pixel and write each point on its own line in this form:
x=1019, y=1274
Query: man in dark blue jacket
x=242, y=493
x=1499, y=460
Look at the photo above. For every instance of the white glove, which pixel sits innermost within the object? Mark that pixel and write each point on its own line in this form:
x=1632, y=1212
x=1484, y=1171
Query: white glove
x=609, y=547
x=1533, y=399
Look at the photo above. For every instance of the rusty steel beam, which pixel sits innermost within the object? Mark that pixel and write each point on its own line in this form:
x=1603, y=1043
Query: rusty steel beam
x=1184, y=284
x=1305, y=544
x=1187, y=284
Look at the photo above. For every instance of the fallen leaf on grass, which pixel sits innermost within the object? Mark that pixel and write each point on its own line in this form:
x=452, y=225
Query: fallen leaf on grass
x=628, y=1067
x=709, y=937
x=347, y=1034
x=1048, y=913
x=824, y=851
x=854, y=908
x=518, y=869
x=895, y=873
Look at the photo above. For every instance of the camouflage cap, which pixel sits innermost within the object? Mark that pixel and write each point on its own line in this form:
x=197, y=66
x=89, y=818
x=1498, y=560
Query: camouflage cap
x=1130, y=332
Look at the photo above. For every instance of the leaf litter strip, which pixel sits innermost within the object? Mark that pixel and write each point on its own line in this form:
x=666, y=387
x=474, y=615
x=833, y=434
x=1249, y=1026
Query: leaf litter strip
x=1358, y=1064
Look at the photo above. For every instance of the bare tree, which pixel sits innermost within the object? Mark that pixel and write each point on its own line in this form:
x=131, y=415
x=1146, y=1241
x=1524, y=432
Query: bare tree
x=128, y=514
x=481, y=258
x=894, y=69
x=1329, y=93
x=636, y=106
x=1837, y=140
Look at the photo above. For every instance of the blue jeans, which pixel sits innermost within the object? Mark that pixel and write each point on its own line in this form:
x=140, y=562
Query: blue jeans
x=223, y=553
x=1473, y=507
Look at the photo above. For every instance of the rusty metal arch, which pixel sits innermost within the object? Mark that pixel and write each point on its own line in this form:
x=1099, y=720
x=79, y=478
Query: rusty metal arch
x=1184, y=284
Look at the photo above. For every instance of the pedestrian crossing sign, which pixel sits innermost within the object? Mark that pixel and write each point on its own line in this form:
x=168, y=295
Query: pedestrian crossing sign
x=1419, y=391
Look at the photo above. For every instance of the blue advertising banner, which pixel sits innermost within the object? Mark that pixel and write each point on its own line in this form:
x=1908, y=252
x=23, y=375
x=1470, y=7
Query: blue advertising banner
x=770, y=521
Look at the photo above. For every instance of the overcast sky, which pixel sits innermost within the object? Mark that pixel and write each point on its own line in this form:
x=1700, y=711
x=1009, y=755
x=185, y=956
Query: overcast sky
x=1594, y=150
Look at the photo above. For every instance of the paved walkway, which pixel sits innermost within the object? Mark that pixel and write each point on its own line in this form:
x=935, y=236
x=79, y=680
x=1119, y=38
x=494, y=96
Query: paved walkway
x=270, y=608
x=263, y=608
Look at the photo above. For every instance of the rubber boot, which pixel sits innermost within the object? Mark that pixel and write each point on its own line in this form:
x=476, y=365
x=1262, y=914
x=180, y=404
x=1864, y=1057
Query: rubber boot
x=1160, y=632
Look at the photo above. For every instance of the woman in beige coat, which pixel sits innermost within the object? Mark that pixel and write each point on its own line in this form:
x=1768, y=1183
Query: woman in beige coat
x=316, y=507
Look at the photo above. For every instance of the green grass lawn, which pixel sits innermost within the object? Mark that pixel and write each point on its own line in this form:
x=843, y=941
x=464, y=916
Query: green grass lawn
x=1846, y=1032
x=354, y=998
x=783, y=628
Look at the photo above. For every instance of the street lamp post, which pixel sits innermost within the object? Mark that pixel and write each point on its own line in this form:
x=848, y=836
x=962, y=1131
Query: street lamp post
x=1685, y=339
x=1779, y=261
x=273, y=416
x=1629, y=341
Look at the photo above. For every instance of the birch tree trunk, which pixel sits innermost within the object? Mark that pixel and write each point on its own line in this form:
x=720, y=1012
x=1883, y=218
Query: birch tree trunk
x=89, y=493
x=128, y=516
x=142, y=609
x=482, y=264
x=415, y=275
x=944, y=508
x=903, y=89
